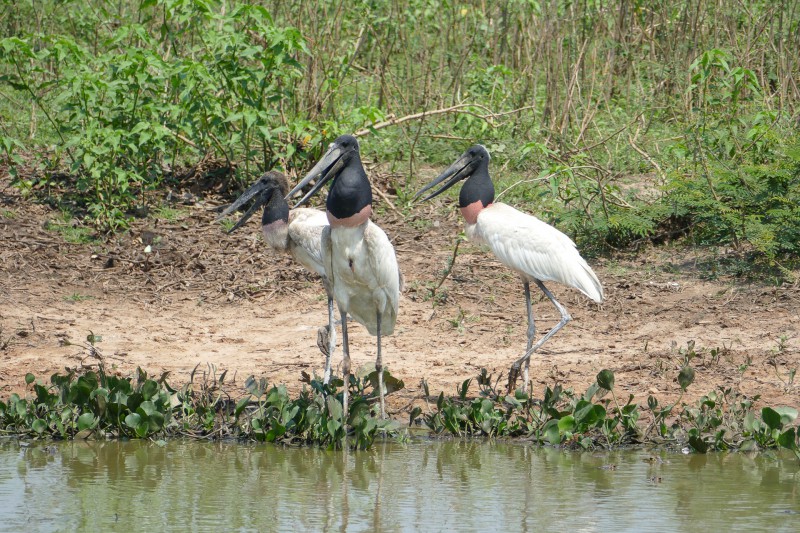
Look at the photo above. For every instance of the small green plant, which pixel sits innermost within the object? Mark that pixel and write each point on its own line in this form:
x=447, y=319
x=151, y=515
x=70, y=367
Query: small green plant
x=169, y=213
x=77, y=297
x=457, y=322
x=70, y=229
x=227, y=224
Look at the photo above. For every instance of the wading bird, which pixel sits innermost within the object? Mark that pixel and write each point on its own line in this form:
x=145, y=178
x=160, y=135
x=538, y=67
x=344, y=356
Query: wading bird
x=359, y=260
x=296, y=231
x=535, y=250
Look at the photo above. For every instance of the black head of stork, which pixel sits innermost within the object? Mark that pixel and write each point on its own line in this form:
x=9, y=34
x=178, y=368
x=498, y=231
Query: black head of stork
x=350, y=190
x=473, y=165
x=268, y=191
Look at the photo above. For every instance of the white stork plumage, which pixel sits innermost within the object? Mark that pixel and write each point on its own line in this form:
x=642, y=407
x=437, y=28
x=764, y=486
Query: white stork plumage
x=297, y=232
x=535, y=250
x=358, y=258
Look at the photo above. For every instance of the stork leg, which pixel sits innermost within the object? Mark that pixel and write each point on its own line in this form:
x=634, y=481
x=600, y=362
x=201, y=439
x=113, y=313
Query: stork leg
x=513, y=373
x=345, y=363
x=526, y=359
x=531, y=334
x=379, y=369
x=326, y=377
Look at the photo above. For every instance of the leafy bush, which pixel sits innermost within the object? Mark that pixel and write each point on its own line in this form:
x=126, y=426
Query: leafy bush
x=753, y=203
x=133, y=110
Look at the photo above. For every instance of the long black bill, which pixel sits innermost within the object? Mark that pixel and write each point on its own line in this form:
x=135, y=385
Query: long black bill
x=459, y=170
x=325, y=169
x=259, y=190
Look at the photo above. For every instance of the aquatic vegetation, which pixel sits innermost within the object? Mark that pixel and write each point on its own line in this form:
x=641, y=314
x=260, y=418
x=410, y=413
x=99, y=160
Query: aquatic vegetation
x=317, y=415
x=102, y=405
x=560, y=417
x=97, y=404
x=721, y=420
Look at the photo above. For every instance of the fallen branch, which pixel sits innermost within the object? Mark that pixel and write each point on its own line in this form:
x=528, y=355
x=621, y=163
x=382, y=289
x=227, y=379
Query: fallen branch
x=388, y=202
x=460, y=108
x=649, y=159
x=576, y=151
x=449, y=267
x=181, y=137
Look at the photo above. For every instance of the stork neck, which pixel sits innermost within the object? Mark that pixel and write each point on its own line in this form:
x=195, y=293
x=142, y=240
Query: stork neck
x=351, y=194
x=275, y=209
x=477, y=189
x=472, y=211
x=362, y=217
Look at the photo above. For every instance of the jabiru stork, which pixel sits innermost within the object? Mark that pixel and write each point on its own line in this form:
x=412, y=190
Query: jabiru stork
x=535, y=250
x=358, y=258
x=296, y=231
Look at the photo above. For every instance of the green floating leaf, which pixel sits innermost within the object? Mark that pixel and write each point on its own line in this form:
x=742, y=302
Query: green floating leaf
x=141, y=429
x=240, y=405
x=335, y=410
x=86, y=421
x=567, y=423
x=29, y=378
x=149, y=389
x=589, y=414
x=147, y=408
x=771, y=418
x=133, y=420
x=788, y=414
x=462, y=391
x=39, y=426
x=605, y=379
x=750, y=422
x=698, y=444
x=551, y=432
x=333, y=426
x=787, y=439
x=155, y=422
x=21, y=406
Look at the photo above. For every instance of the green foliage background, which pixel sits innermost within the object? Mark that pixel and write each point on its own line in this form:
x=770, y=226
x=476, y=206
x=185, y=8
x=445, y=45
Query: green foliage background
x=620, y=122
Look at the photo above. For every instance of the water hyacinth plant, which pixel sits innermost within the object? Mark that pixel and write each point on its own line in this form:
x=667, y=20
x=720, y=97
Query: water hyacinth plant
x=102, y=405
x=721, y=420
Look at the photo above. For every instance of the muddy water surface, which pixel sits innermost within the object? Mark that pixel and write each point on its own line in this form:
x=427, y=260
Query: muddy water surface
x=420, y=486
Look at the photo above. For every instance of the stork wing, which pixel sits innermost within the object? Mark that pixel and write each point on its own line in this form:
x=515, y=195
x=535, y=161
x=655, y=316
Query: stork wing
x=305, y=231
x=536, y=249
x=384, y=264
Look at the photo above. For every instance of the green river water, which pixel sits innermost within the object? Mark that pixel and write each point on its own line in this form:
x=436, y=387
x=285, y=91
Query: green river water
x=420, y=486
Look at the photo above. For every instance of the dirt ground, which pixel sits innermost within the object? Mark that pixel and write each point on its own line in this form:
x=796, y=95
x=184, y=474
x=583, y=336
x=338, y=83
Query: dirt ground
x=227, y=302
